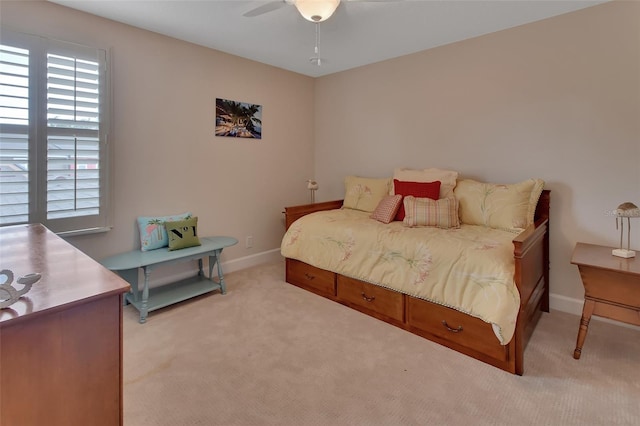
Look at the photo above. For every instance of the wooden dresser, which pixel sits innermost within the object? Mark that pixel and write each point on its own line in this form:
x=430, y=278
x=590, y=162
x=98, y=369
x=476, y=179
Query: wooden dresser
x=61, y=344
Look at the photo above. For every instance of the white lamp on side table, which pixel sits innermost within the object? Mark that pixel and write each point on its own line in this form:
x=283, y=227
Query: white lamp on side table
x=312, y=186
x=627, y=210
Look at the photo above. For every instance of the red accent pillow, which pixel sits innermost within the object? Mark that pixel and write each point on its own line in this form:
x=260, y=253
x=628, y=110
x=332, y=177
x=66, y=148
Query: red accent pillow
x=417, y=189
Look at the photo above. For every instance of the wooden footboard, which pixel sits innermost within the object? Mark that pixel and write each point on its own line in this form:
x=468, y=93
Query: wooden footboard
x=443, y=325
x=531, y=254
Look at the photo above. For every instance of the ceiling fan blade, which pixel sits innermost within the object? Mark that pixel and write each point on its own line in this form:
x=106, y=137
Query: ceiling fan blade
x=265, y=8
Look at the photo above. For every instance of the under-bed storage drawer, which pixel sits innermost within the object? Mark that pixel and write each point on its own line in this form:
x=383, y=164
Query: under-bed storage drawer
x=448, y=325
x=311, y=278
x=371, y=298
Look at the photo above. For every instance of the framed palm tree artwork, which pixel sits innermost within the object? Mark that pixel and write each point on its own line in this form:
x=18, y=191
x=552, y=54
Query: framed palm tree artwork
x=238, y=119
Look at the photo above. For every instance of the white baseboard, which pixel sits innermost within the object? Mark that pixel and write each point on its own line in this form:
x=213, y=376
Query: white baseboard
x=164, y=276
x=556, y=301
x=252, y=260
x=566, y=304
x=574, y=306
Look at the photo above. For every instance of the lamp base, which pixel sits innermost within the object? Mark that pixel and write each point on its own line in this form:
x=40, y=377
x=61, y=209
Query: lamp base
x=623, y=253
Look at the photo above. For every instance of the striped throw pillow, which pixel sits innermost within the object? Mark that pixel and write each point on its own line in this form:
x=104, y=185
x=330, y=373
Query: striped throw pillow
x=387, y=208
x=442, y=213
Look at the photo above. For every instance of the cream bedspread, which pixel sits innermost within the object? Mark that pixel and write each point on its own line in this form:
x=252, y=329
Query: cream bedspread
x=470, y=269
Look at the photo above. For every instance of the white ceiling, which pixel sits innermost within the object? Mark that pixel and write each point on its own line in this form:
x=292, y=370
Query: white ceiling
x=359, y=33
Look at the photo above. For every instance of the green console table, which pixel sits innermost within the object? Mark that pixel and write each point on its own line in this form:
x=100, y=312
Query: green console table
x=127, y=266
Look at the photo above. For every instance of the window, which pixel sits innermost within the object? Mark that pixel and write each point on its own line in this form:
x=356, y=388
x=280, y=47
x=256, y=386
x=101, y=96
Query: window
x=53, y=134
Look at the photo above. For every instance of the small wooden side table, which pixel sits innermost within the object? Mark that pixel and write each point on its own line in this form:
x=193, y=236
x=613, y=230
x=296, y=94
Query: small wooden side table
x=611, y=286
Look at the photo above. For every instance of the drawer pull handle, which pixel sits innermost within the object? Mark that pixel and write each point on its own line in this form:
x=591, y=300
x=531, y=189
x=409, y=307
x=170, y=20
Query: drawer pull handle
x=453, y=330
x=367, y=298
x=308, y=276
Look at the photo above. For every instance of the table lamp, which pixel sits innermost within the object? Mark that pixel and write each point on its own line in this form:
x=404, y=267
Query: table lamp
x=627, y=210
x=312, y=186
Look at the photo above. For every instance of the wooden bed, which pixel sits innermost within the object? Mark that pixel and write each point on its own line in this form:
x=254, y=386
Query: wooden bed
x=443, y=325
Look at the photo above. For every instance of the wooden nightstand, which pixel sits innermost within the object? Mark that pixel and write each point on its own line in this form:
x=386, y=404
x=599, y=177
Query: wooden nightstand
x=611, y=286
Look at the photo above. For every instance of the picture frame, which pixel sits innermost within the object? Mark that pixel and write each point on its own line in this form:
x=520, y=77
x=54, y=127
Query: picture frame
x=238, y=119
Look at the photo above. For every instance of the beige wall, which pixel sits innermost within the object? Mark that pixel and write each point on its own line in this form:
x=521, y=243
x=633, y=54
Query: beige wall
x=166, y=157
x=558, y=99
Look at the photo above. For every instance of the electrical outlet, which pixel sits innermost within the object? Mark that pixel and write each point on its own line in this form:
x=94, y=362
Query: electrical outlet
x=249, y=242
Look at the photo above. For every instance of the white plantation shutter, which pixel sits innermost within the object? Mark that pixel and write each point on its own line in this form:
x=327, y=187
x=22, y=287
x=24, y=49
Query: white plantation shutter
x=55, y=135
x=14, y=135
x=73, y=142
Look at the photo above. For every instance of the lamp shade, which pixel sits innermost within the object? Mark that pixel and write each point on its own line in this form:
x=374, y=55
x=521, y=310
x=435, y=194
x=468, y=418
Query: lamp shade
x=627, y=209
x=316, y=10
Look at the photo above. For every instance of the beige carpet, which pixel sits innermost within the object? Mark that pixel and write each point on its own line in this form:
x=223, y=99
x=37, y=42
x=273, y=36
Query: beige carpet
x=269, y=353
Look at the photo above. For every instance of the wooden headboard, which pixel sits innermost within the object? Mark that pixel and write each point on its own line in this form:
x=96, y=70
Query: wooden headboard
x=542, y=210
x=294, y=213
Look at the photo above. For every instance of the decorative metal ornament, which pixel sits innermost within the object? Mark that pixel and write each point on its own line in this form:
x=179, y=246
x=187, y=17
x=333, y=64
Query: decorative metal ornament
x=627, y=210
x=8, y=293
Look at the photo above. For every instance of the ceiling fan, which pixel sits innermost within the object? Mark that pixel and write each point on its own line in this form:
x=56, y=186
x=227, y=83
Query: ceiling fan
x=315, y=11
x=311, y=10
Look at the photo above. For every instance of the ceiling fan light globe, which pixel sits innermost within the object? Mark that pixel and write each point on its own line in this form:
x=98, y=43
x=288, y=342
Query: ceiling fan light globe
x=316, y=10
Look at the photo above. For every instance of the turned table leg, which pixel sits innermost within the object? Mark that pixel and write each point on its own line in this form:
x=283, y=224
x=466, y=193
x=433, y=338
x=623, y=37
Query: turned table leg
x=144, y=307
x=223, y=287
x=587, y=311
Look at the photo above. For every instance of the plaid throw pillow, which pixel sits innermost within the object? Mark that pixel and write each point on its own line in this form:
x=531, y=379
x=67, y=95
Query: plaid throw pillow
x=442, y=213
x=387, y=208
